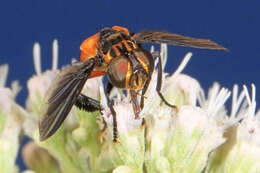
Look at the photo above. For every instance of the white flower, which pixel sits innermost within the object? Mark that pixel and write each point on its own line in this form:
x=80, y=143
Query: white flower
x=37, y=88
x=40, y=83
x=169, y=135
x=11, y=119
x=241, y=152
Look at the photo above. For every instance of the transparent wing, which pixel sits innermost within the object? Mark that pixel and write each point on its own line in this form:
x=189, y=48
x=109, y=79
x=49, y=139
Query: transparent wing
x=62, y=95
x=147, y=36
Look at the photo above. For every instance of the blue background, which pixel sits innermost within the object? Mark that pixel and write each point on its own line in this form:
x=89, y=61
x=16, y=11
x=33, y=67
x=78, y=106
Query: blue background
x=233, y=24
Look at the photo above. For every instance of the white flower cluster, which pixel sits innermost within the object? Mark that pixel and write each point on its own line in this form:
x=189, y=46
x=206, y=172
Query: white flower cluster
x=200, y=137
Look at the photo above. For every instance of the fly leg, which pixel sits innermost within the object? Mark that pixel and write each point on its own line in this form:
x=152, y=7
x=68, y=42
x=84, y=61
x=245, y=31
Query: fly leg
x=87, y=104
x=159, y=84
x=135, y=104
x=146, y=85
x=102, y=132
x=90, y=105
x=110, y=105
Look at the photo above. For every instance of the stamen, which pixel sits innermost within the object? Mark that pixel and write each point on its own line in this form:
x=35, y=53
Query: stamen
x=216, y=99
x=236, y=102
x=55, y=55
x=202, y=98
x=247, y=95
x=221, y=99
x=4, y=73
x=16, y=88
x=37, y=58
x=253, y=92
x=213, y=92
x=183, y=64
x=152, y=49
x=251, y=102
x=163, y=54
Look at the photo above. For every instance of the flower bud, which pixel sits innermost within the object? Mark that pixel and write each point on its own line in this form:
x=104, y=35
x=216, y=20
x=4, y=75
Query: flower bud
x=38, y=159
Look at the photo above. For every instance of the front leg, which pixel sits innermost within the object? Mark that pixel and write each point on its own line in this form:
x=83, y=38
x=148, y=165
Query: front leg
x=135, y=104
x=159, y=84
x=146, y=85
x=109, y=87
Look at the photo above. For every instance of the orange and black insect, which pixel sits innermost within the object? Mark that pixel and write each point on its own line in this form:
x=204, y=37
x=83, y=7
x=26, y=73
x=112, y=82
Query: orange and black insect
x=119, y=55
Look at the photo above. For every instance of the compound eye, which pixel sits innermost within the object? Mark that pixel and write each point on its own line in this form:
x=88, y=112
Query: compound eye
x=117, y=71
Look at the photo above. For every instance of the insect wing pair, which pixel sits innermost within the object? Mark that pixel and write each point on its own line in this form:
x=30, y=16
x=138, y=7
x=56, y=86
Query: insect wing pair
x=65, y=91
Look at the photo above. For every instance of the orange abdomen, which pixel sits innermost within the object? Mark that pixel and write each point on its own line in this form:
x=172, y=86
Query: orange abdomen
x=89, y=47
